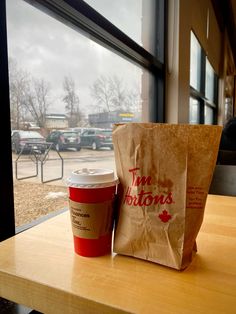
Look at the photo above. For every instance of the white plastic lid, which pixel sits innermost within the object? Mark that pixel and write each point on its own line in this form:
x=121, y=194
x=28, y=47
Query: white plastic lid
x=92, y=178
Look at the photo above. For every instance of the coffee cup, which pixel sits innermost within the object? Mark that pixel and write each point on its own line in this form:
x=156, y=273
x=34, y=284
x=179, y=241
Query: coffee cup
x=91, y=202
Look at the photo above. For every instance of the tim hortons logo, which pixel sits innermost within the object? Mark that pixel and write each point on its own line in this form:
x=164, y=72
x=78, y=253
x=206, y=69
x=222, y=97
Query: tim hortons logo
x=144, y=198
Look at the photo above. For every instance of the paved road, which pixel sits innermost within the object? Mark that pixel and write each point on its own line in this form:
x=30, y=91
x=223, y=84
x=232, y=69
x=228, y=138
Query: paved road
x=72, y=160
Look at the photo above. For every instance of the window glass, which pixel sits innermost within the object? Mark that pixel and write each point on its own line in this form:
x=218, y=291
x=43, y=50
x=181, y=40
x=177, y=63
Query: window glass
x=194, y=111
x=61, y=79
x=203, y=82
x=195, y=63
x=136, y=18
x=30, y=134
x=209, y=89
x=70, y=134
x=209, y=115
x=106, y=132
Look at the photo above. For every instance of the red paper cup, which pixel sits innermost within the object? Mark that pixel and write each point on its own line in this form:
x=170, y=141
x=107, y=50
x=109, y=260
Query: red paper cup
x=91, y=199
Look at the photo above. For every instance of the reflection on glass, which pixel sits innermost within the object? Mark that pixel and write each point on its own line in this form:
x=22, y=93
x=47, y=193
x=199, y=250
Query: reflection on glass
x=228, y=112
x=209, y=115
x=209, y=89
x=59, y=59
x=60, y=79
x=136, y=18
x=195, y=63
x=194, y=111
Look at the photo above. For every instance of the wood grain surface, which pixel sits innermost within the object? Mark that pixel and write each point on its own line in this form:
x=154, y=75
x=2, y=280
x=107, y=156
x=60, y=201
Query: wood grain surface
x=38, y=268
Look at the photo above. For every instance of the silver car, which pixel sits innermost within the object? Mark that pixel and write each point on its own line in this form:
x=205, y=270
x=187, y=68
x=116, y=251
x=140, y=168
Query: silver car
x=26, y=141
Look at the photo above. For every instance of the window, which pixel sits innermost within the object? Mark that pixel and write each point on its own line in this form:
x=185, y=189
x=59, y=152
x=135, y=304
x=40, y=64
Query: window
x=210, y=80
x=209, y=115
x=136, y=18
x=203, y=86
x=194, y=111
x=115, y=71
x=195, y=63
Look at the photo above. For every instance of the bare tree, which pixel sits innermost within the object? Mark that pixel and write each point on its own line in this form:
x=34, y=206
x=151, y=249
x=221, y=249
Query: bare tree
x=133, y=101
x=111, y=94
x=102, y=92
x=71, y=101
x=38, y=100
x=29, y=97
x=118, y=93
x=19, y=83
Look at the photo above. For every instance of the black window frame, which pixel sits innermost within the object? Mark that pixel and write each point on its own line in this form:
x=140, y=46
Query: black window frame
x=79, y=15
x=7, y=218
x=200, y=95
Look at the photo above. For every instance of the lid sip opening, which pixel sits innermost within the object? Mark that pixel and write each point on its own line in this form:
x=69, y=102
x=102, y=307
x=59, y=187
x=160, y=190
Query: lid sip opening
x=92, y=178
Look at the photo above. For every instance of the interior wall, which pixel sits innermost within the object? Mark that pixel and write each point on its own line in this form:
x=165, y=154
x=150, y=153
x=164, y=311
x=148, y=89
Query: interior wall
x=184, y=16
x=227, y=96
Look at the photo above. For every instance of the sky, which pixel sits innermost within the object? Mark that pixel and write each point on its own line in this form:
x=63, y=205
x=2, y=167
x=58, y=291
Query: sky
x=48, y=49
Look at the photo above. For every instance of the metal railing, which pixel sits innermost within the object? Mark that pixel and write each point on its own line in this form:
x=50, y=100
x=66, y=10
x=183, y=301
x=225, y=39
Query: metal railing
x=39, y=154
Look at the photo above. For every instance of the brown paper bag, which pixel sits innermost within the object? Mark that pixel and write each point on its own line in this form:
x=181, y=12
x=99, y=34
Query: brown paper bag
x=165, y=172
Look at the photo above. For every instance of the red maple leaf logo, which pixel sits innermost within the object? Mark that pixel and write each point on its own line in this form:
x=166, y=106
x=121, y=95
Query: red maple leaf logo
x=164, y=216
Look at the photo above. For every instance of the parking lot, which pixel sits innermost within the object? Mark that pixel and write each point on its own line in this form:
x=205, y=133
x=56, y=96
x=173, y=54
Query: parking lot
x=52, y=165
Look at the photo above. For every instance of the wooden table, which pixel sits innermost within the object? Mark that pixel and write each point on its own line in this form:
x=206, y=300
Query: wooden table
x=39, y=269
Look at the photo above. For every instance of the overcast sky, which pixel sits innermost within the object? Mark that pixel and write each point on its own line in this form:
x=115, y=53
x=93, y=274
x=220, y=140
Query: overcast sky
x=51, y=50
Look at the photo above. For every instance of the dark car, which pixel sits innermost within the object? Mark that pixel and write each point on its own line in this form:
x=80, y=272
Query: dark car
x=96, y=138
x=79, y=130
x=64, y=139
x=26, y=141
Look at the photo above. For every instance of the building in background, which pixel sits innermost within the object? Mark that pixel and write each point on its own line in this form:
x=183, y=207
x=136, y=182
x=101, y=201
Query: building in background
x=56, y=121
x=107, y=119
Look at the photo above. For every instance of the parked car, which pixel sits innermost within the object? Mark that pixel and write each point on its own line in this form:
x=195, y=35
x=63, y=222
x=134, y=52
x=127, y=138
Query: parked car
x=63, y=139
x=79, y=130
x=27, y=141
x=96, y=138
